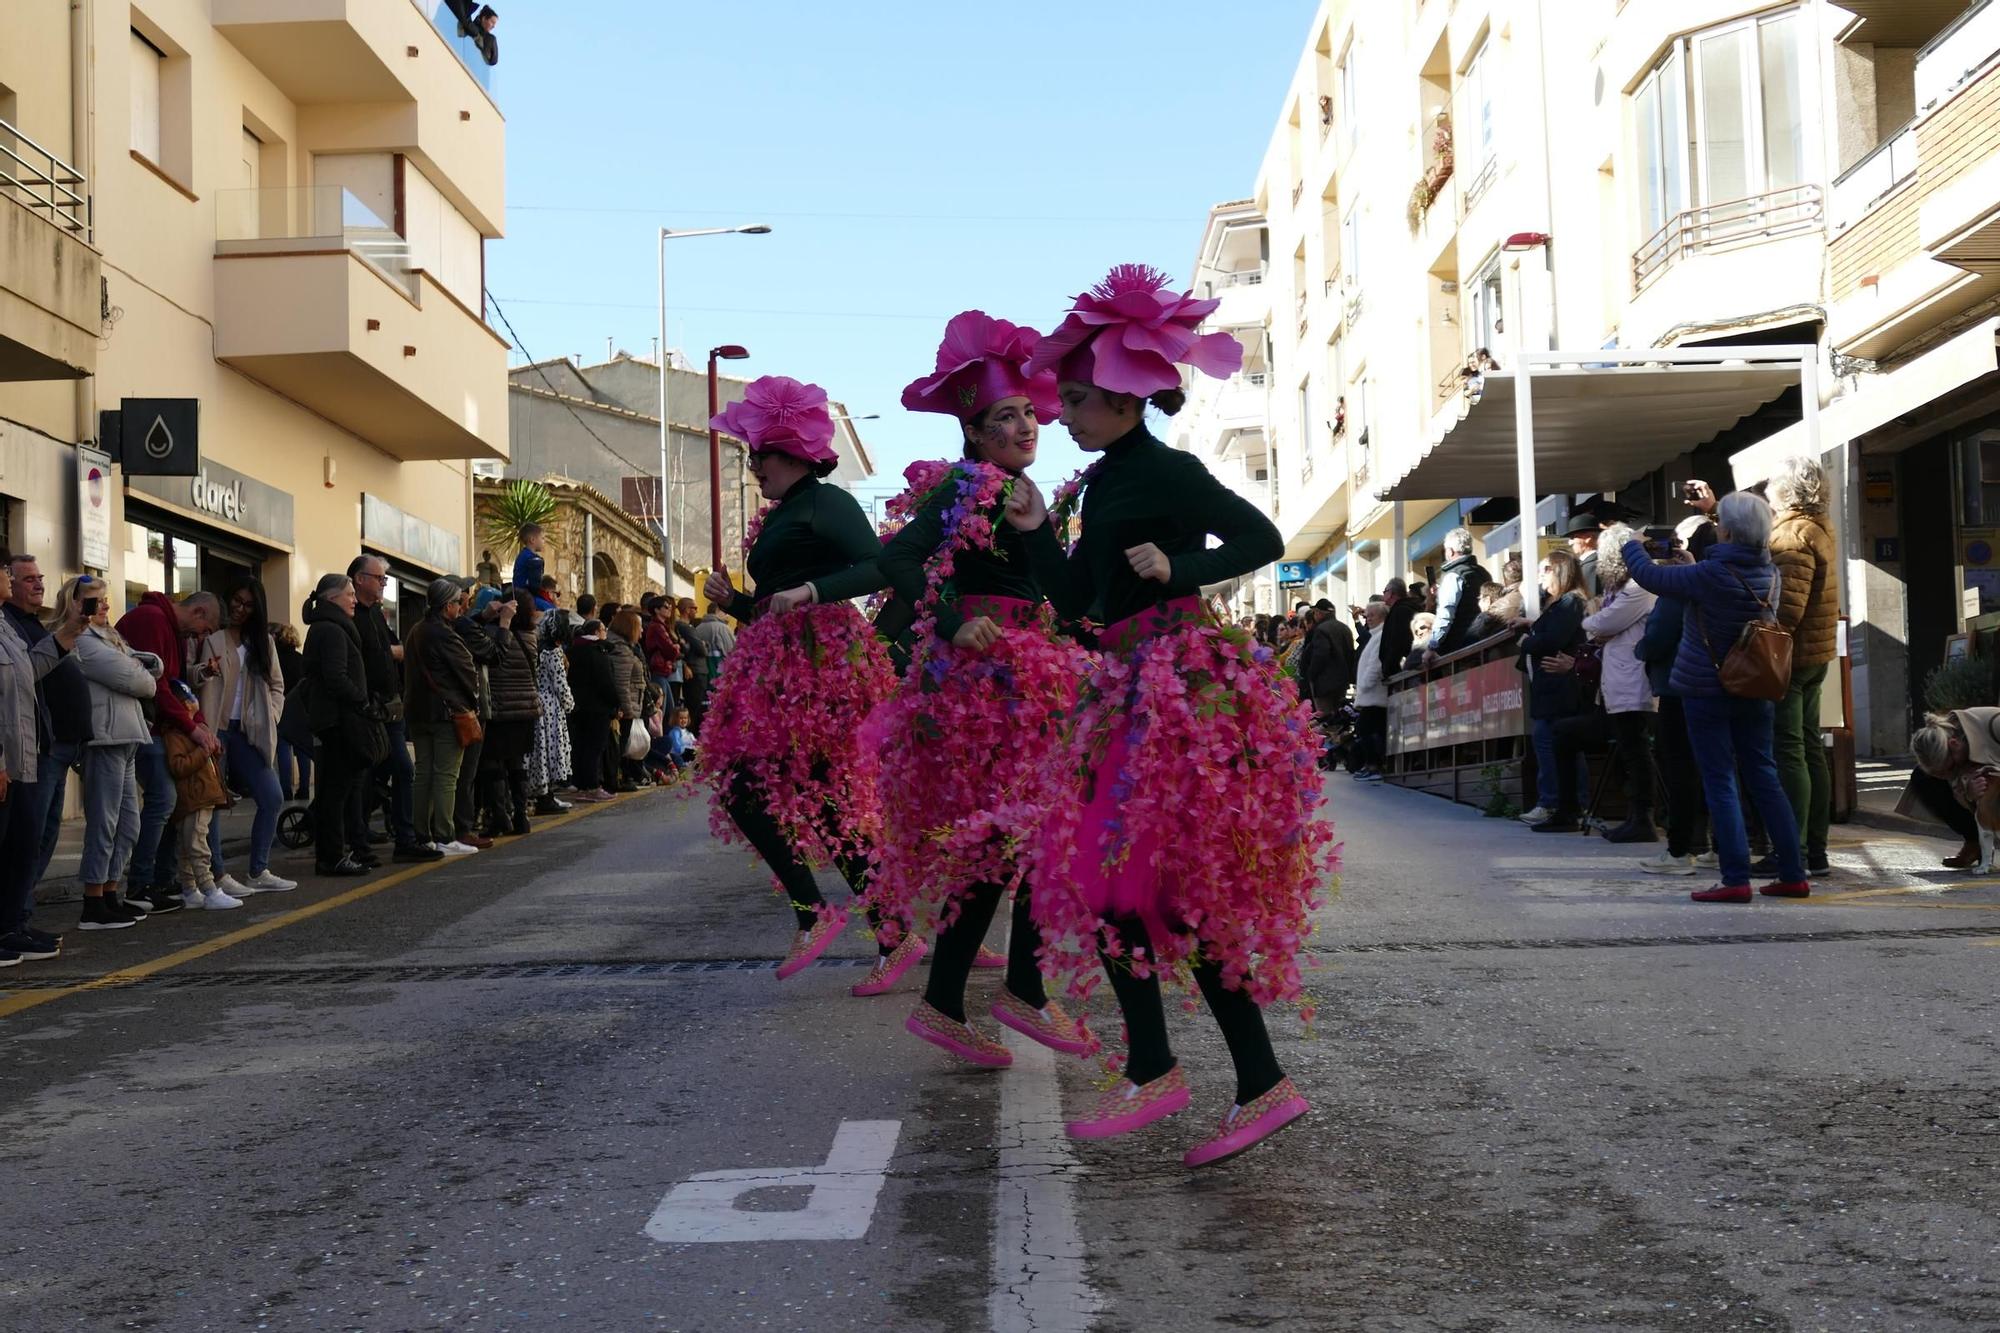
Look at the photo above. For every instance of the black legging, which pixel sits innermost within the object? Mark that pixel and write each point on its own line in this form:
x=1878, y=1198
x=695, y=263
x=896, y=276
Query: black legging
x=1149, y=1054
x=958, y=946
x=1687, y=807
x=336, y=807
x=1936, y=796
x=590, y=736
x=750, y=814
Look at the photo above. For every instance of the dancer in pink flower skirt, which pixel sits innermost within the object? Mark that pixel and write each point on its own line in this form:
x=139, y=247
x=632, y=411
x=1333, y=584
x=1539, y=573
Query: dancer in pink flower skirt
x=1185, y=841
x=780, y=745
x=963, y=779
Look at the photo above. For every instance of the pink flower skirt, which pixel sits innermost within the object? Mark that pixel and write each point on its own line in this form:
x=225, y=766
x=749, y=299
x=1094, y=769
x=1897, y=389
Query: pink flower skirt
x=1188, y=799
x=786, y=719
x=962, y=753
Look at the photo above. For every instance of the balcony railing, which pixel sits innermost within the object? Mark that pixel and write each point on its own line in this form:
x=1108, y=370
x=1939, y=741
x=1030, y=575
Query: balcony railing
x=1255, y=378
x=1480, y=184
x=249, y=221
x=43, y=183
x=462, y=46
x=1952, y=57
x=1729, y=225
x=1890, y=165
x=1297, y=191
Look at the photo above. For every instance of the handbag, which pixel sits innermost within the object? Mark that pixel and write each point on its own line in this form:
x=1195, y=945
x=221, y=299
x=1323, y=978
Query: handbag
x=638, y=743
x=365, y=735
x=1759, y=664
x=466, y=725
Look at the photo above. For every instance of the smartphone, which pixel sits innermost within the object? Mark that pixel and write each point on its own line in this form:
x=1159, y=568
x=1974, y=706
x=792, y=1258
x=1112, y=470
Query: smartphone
x=90, y=605
x=1690, y=490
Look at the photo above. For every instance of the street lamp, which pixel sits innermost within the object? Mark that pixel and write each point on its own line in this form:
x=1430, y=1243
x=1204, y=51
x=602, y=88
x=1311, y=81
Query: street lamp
x=667, y=233
x=726, y=352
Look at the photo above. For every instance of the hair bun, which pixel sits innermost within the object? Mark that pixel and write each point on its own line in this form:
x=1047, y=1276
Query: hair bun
x=1169, y=401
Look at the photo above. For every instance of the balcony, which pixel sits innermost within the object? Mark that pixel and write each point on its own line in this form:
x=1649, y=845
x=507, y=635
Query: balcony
x=317, y=298
x=381, y=76
x=1728, y=226
x=50, y=277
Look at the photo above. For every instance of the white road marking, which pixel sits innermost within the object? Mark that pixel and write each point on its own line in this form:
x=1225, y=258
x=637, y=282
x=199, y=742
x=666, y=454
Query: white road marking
x=1039, y=1281
x=844, y=1189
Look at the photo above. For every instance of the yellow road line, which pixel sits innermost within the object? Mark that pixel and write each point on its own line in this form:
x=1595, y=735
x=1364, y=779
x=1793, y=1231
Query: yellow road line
x=1899, y=890
x=20, y=1001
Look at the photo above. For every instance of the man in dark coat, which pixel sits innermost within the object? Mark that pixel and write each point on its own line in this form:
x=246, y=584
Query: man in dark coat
x=1328, y=672
x=1396, y=638
x=382, y=656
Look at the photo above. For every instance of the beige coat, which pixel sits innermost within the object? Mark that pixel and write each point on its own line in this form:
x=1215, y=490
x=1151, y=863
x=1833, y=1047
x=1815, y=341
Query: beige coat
x=1803, y=549
x=261, y=707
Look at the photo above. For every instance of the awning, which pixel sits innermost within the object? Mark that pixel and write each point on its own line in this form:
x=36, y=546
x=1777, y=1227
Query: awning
x=1594, y=429
x=1508, y=535
x=1965, y=360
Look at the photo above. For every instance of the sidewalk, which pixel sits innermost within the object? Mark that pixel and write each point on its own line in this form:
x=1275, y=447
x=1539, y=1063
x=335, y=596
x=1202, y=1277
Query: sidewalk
x=1879, y=784
x=60, y=884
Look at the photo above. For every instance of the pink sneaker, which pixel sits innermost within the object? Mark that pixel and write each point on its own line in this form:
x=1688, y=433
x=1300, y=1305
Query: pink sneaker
x=989, y=958
x=810, y=944
x=1048, y=1025
x=1128, y=1106
x=961, y=1039
x=889, y=969
x=1247, y=1126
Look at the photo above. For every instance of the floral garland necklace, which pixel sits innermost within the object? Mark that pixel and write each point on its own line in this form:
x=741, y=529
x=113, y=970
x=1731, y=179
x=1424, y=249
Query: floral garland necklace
x=1066, y=501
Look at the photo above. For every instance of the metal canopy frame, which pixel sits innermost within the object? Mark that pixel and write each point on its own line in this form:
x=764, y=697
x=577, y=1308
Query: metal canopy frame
x=1805, y=356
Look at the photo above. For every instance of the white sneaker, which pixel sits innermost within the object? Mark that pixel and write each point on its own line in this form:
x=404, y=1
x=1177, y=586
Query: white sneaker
x=215, y=900
x=265, y=882
x=1666, y=863
x=191, y=899
x=456, y=848
x=1539, y=815
x=1707, y=861
x=230, y=885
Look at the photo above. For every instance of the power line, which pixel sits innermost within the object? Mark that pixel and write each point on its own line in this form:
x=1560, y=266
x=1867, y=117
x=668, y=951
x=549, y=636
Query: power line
x=728, y=310
x=563, y=398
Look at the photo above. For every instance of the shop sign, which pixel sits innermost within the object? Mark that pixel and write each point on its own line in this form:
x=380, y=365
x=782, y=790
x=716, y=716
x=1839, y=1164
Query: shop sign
x=93, y=508
x=424, y=544
x=1292, y=573
x=159, y=437
x=225, y=497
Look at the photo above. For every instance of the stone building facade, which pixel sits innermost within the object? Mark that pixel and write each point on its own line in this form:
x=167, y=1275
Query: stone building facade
x=594, y=545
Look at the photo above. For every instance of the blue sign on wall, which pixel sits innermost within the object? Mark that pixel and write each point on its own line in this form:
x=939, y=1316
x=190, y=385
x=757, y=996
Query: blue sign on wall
x=1292, y=572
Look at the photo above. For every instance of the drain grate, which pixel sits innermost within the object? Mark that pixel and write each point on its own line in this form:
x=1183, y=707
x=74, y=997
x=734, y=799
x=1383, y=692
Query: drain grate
x=558, y=969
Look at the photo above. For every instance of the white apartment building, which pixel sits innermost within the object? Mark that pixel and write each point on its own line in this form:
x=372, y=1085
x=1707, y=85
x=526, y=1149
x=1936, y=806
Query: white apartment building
x=1455, y=177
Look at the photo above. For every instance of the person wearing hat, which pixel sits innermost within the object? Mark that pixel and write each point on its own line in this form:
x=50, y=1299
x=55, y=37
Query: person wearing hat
x=781, y=745
x=1184, y=839
x=1582, y=530
x=958, y=809
x=440, y=685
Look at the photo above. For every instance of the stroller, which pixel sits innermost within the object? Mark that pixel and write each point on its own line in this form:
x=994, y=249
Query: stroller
x=1341, y=731
x=295, y=825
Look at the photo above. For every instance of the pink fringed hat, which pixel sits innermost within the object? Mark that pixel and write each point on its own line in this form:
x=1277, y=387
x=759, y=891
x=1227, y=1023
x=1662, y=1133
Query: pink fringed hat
x=778, y=414
x=981, y=361
x=1128, y=333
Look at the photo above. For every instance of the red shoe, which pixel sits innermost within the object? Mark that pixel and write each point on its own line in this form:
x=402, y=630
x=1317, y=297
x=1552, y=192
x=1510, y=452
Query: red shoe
x=1723, y=893
x=1048, y=1025
x=808, y=945
x=961, y=1039
x=889, y=968
x=1129, y=1106
x=989, y=958
x=1247, y=1126
x=1799, y=889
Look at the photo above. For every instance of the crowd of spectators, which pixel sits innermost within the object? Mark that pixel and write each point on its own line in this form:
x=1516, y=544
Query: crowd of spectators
x=501, y=704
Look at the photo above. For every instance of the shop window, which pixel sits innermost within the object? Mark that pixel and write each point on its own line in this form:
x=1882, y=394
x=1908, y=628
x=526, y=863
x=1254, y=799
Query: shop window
x=1979, y=466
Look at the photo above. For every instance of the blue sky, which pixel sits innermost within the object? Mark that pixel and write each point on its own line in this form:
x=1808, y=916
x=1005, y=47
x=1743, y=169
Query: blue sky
x=914, y=159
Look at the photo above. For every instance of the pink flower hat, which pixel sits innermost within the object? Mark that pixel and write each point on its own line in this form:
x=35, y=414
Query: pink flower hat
x=1128, y=333
x=778, y=414
x=981, y=361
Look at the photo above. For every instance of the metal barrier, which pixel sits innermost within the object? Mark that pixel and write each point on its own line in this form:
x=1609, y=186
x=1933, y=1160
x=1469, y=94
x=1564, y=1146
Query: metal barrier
x=43, y=183
x=1458, y=728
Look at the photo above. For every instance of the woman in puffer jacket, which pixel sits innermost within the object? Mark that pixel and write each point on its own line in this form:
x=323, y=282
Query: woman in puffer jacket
x=1807, y=557
x=1627, y=716
x=120, y=679
x=517, y=706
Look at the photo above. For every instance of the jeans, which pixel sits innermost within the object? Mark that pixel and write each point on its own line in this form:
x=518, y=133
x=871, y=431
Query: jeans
x=21, y=844
x=670, y=696
x=465, y=791
x=1801, y=759
x=240, y=758
x=290, y=757
x=110, y=812
x=434, y=788
x=156, y=809
x=1726, y=732
x=1548, y=791
x=1687, y=816
x=56, y=764
x=342, y=774
x=401, y=773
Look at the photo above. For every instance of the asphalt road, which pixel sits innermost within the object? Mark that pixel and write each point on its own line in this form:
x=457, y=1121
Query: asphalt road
x=556, y=1085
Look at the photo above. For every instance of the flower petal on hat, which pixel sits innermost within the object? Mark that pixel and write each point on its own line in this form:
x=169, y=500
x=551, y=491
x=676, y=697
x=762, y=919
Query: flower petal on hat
x=1217, y=354
x=1120, y=369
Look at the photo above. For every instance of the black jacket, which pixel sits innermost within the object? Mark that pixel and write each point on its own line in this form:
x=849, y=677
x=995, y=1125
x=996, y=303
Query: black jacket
x=440, y=678
x=511, y=676
x=1558, y=630
x=1396, y=638
x=1459, y=583
x=1327, y=668
x=385, y=675
x=817, y=534
x=333, y=666
x=593, y=679
x=1141, y=491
